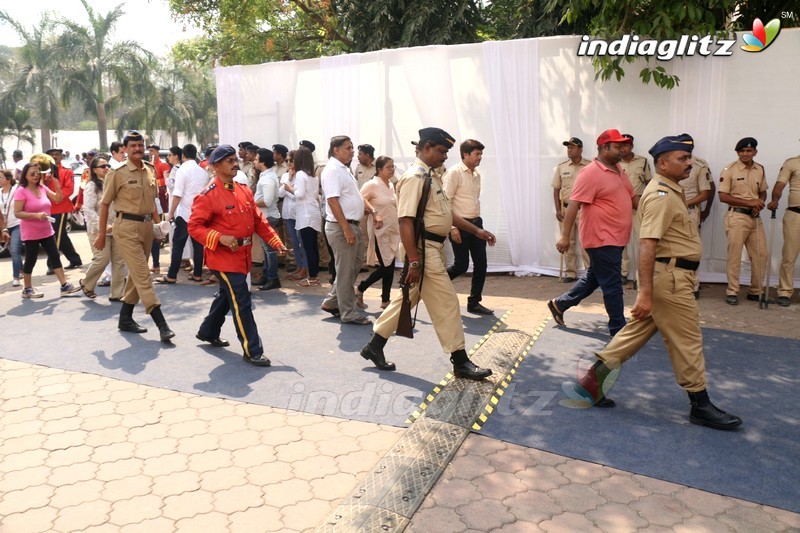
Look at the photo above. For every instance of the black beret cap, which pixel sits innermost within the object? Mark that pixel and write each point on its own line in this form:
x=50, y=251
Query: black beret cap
x=437, y=135
x=367, y=149
x=747, y=142
x=252, y=148
x=220, y=153
x=573, y=140
x=682, y=142
x=308, y=144
x=281, y=149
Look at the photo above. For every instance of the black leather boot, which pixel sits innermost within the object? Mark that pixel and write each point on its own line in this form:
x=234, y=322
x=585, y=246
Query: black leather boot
x=464, y=368
x=373, y=351
x=126, y=321
x=163, y=328
x=705, y=413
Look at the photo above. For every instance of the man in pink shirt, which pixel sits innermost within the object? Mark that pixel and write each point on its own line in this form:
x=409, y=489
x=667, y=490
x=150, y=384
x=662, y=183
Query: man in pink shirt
x=604, y=194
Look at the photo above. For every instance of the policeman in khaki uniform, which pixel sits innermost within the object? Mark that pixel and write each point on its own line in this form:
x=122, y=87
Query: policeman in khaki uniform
x=788, y=175
x=564, y=178
x=134, y=190
x=669, y=254
x=428, y=268
x=743, y=186
x=638, y=170
x=697, y=189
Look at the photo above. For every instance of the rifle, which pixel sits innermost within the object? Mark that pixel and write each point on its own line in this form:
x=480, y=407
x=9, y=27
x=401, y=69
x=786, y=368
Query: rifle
x=405, y=325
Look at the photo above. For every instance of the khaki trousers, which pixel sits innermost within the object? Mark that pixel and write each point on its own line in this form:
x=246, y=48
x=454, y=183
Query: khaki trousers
x=111, y=253
x=748, y=232
x=440, y=300
x=791, y=248
x=676, y=316
x=135, y=240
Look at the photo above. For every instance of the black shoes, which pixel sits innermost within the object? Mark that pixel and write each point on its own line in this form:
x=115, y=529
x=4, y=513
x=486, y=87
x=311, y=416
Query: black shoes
x=469, y=370
x=126, y=321
x=705, y=413
x=569, y=279
x=270, y=284
x=783, y=301
x=732, y=299
x=375, y=355
x=558, y=316
x=478, y=309
x=754, y=297
x=73, y=266
x=258, y=360
x=219, y=343
x=163, y=329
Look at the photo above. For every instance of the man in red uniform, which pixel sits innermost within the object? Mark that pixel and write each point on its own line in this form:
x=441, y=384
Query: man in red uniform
x=161, y=168
x=61, y=211
x=224, y=217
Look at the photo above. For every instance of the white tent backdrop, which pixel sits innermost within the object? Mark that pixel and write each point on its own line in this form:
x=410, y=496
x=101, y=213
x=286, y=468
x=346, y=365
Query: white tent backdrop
x=522, y=99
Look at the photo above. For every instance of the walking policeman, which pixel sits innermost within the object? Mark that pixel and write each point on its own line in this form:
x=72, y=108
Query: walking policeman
x=133, y=189
x=427, y=274
x=224, y=218
x=788, y=175
x=669, y=254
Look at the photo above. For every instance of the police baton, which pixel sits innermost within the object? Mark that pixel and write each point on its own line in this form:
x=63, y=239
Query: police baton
x=763, y=300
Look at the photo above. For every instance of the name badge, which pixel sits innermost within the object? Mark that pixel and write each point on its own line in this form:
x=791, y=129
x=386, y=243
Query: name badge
x=133, y=182
x=740, y=179
x=230, y=207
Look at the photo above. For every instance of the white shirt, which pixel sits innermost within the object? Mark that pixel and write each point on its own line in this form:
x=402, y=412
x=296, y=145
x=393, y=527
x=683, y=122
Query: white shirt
x=337, y=182
x=306, y=203
x=189, y=181
x=287, y=211
x=241, y=178
x=114, y=164
x=7, y=201
x=267, y=190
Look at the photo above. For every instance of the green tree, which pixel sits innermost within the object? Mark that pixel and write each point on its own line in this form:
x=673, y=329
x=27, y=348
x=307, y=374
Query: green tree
x=16, y=124
x=36, y=76
x=96, y=66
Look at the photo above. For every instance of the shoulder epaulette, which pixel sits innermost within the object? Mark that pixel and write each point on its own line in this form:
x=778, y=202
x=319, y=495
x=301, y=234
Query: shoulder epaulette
x=209, y=188
x=148, y=163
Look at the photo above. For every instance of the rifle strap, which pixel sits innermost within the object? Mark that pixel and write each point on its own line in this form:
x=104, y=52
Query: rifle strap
x=419, y=234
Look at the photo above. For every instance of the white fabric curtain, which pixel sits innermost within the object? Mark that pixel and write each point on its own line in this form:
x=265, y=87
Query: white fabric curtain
x=522, y=99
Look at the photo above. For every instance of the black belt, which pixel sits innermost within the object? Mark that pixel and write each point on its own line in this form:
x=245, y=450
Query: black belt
x=472, y=220
x=680, y=262
x=742, y=210
x=433, y=237
x=356, y=222
x=244, y=241
x=793, y=209
x=137, y=218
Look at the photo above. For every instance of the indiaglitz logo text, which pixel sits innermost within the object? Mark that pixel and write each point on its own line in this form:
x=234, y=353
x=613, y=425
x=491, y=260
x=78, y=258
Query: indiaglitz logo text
x=664, y=50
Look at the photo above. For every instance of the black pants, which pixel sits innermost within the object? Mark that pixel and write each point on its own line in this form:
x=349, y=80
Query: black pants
x=63, y=242
x=308, y=237
x=475, y=247
x=382, y=272
x=32, y=252
x=179, y=238
x=234, y=297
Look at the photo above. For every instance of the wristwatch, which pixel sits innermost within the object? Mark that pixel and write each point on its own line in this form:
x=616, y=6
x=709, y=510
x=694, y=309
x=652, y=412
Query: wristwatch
x=414, y=264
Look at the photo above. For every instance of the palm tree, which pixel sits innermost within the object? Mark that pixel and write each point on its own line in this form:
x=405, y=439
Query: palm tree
x=96, y=65
x=36, y=76
x=17, y=126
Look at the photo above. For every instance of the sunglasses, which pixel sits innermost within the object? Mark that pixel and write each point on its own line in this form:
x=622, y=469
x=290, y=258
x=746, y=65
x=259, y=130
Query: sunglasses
x=103, y=166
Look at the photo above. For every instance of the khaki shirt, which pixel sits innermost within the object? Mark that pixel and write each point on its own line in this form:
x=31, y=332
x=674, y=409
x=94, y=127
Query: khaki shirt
x=565, y=175
x=281, y=169
x=638, y=171
x=663, y=215
x=363, y=174
x=699, y=180
x=790, y=173
x=438, y=218
x=133, y=190
x=462, y=187
x=742, y=182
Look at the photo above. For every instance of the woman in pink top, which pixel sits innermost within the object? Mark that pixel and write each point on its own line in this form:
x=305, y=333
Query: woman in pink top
x=32, y=202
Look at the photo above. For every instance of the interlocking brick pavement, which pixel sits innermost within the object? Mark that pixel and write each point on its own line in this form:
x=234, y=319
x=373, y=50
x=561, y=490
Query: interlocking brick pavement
x=80, y=452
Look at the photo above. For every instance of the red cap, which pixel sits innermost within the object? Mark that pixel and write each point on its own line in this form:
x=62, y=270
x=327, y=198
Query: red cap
x=613, y=136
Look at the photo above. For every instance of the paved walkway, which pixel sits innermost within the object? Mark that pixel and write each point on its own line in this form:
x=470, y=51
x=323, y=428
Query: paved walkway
x=80, y=452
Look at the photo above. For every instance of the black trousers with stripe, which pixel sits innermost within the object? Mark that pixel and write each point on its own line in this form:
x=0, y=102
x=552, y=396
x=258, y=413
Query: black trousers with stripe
x=234, y=297
x=63, y=241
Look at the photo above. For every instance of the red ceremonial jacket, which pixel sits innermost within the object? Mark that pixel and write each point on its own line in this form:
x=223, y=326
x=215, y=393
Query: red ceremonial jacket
x=67, y=180
x=218, y=211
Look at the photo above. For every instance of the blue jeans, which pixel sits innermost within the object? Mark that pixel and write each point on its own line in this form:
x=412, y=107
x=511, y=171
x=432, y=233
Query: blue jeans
x=605, y=271
x=270, y=255
x=15, y=249
x=299, y=253
x=179, y=238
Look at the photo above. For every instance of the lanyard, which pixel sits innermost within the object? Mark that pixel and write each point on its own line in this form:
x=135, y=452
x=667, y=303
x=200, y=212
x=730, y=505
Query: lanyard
x=7, y=201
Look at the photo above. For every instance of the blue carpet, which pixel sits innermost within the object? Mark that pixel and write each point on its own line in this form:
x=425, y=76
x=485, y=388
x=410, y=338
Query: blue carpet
x=752, y=376
x=316, y=366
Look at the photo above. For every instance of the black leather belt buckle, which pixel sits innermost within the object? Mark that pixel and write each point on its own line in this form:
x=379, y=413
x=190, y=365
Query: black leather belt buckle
x=683, y=264
x=245, y=241
x=794, y=209
x=352, y=222
x=742, y=210
x=137, y=218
